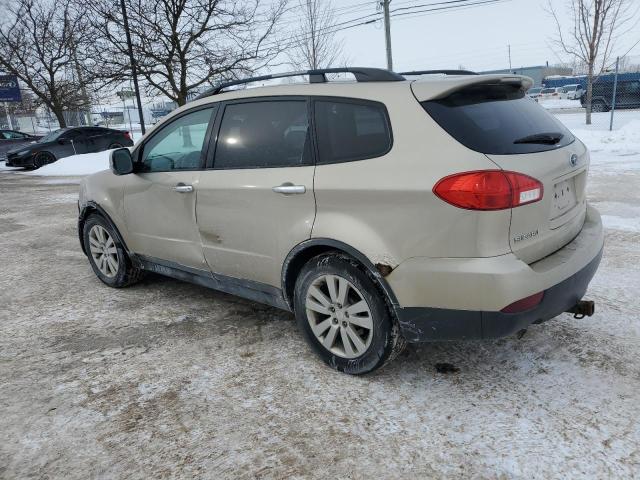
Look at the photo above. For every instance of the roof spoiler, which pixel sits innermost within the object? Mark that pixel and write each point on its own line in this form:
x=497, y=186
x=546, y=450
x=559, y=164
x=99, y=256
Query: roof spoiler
x=436, y=88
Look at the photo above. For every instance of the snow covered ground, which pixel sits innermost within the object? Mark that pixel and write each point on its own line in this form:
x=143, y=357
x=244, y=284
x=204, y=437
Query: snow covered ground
x=168, y=379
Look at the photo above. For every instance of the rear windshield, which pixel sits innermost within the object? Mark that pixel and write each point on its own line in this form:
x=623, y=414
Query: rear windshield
x=498, y=119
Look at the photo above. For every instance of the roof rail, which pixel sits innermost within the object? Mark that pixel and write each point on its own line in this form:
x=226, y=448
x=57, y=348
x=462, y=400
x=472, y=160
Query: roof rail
x=315, y=76
x=442, y=72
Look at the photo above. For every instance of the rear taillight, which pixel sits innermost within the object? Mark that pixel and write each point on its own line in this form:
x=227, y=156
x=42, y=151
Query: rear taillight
x=488, y=190
x=524, y=304
x=127, y=136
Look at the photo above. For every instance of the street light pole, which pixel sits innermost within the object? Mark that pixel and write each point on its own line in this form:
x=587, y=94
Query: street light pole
x=134, y=71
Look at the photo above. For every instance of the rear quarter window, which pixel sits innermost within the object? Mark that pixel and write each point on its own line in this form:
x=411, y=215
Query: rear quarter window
x=493, y=118
x=349, y=130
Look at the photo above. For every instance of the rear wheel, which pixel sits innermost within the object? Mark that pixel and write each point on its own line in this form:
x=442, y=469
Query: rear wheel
x=343, y=315
x=43, y=158
x=107, y=256
x=598, y=106
x=115, y=145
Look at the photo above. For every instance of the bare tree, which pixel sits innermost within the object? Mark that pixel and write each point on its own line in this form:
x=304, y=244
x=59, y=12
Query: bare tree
x=596, y=25
x=315, y=45
x=37, y=44
x=181, y=46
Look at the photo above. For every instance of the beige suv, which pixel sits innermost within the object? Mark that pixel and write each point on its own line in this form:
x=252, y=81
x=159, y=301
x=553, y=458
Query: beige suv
x=380, y=211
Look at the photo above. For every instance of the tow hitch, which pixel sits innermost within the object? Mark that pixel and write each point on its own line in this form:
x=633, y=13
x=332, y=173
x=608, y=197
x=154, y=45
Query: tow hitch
x=584, y=308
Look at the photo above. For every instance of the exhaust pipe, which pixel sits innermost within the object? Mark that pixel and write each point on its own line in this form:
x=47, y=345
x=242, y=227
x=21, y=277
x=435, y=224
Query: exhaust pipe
x=584, y=308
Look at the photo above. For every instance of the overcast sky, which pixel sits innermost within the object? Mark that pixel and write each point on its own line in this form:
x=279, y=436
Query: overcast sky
x=476, y=37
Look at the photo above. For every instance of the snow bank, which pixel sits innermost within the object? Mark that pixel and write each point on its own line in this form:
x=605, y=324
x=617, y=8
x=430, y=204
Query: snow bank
x=76, y=165
x=620, y=147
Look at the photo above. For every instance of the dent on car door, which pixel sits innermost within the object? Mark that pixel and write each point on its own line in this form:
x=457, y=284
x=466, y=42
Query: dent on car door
x=257, y=201
x=160, y=197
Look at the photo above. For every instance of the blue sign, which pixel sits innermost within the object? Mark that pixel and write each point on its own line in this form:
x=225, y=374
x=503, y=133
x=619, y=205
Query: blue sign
x=9, y=89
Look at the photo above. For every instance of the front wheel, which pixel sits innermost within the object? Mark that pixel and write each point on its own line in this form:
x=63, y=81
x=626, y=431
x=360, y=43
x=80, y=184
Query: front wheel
x=343, y=315
x=107, y=256
x=43, y=158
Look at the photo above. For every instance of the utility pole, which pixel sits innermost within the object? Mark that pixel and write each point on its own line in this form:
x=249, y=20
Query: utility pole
x=134, y=72
x=509, y=48
x=387, y=32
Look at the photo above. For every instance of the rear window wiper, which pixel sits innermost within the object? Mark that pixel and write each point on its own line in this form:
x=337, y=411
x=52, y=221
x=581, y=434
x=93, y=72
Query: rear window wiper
x=550, y=138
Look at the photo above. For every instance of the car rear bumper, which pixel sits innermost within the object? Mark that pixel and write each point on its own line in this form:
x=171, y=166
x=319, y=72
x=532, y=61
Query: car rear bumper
x=463, y=298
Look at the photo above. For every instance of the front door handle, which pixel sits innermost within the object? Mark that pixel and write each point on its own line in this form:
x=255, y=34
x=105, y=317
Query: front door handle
x=182, y=188
x=289, y=189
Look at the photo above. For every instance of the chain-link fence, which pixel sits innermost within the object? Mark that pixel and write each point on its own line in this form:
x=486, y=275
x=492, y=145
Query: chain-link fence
x=111, y=115
x=615, y=100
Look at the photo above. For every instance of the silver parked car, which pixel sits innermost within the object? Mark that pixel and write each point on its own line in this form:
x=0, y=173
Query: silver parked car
x=380, y=212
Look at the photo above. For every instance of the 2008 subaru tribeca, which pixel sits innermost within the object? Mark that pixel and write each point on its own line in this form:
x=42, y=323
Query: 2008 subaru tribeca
x=380, y=211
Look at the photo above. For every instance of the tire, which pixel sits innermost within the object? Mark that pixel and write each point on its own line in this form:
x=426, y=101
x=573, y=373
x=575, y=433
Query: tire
x=101, y=241
x=599, y=106
x=335, y=323
x=115, y=145
x=43, y=158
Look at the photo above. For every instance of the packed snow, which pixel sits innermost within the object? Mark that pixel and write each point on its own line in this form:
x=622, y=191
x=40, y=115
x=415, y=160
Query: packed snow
x=559, y=103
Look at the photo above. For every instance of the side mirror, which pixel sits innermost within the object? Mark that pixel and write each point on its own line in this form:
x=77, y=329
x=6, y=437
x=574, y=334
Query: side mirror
x=120, y=161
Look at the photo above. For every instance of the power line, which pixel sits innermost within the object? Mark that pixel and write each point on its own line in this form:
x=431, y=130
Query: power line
x=373, y=17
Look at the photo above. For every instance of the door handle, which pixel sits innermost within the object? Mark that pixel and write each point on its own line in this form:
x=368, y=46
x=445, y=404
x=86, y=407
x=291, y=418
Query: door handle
x=182, y=188
x=289, y=189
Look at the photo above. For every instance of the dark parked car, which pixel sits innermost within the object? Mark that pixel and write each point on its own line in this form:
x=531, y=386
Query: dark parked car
x=10, y=139
x=66, y=142
x=627, y=95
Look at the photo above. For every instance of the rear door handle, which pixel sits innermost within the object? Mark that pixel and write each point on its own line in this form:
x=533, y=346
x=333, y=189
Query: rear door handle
x=182, y=188
x=289, y=189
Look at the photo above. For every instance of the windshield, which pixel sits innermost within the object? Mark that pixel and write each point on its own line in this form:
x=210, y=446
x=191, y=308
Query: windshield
x=498, y=119
x=570, y=88
x=52, y=136
x=535, y=90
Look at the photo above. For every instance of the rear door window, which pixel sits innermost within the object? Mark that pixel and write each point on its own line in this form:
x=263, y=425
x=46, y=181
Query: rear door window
x=498, y=119
x=350, y=130
x=264, y=134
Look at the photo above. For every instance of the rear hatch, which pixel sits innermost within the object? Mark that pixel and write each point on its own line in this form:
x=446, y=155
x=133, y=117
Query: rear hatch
x=495, y=117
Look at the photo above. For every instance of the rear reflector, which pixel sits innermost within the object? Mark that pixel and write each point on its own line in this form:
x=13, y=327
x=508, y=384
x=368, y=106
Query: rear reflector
x=127, y=135
x=524, y=304
x=489, y=190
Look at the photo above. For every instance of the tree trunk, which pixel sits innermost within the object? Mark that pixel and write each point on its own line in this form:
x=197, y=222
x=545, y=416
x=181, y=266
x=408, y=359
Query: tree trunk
x=57, y=111
x=589, y=95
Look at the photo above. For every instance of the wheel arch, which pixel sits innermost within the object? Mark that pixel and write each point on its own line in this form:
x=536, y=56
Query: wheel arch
x=94, y=208
x=305, y=251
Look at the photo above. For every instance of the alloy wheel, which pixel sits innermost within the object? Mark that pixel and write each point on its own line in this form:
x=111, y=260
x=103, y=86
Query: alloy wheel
x=339, y=316
x=103, y=251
